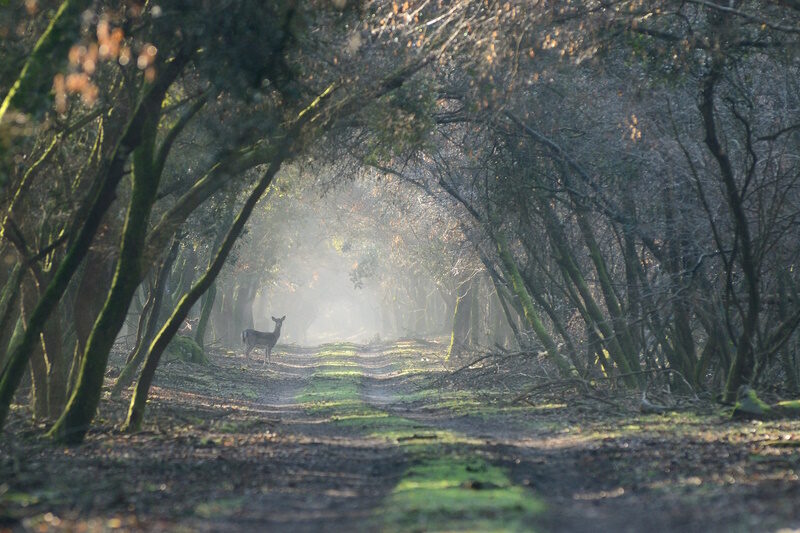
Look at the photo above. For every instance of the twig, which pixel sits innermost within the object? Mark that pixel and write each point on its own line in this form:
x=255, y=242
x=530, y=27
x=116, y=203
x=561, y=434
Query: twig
x=547, y=385
x=501, y=357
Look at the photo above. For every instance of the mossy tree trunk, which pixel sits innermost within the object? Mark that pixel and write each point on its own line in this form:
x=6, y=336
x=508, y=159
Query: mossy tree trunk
x=684, y=353
x=144, y=314
x=610, y=297
x=98, y=272
x=475, y=314
x=183, y=278
x=593, y=312
x=57, y=366
x=74, y=422
x=128, y=373
x=38, y=365
x=531, y=316
x=8, y=304
x=511, y=320
x=243, y=305
x=205, y=314
x=462, y=314
x=103, y=194
x=148, y=166
x=139, y=399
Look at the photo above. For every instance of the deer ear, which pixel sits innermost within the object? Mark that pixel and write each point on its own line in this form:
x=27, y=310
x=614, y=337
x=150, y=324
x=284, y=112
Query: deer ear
x=275, y=319
x=283, y=318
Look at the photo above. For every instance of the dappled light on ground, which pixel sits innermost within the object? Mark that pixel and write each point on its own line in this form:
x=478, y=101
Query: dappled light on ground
x=348, y=437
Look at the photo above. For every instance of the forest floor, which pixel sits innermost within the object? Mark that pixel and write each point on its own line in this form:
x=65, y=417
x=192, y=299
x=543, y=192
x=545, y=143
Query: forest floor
x=354, y=438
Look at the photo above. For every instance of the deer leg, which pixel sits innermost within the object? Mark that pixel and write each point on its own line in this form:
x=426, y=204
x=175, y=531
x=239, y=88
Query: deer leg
x=247, y=350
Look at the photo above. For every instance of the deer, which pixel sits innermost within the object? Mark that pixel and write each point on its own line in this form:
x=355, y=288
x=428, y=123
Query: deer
x=268, y=339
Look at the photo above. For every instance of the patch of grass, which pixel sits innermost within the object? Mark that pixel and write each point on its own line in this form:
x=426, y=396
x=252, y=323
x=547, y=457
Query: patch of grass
x=459, y=493
x=241, y=426
x=334, y=385
x=339, y=363
x=247, y=393
x=220, y=507
x=449, y=487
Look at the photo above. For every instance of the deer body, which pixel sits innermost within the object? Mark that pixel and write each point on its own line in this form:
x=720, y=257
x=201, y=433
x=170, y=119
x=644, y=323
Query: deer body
x=268, y=339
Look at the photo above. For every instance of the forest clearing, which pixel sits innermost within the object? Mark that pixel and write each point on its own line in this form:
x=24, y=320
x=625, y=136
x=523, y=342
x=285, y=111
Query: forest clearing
x=384, y=265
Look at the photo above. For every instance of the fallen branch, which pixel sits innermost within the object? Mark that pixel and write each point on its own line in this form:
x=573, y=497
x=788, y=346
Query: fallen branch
x=500, y=357
x=548, y=385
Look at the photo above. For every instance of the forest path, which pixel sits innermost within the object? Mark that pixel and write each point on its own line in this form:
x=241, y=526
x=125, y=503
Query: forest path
x=354, y=438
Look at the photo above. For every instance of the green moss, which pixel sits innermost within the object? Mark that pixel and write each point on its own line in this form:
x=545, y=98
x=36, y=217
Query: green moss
x=219, y=507
x=448, y=487
x=787, y=408
x=459, y=493
x=185, y=349
x=749, y=405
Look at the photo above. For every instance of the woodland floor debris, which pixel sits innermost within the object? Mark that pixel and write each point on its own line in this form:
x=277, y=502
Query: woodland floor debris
x=347, y=438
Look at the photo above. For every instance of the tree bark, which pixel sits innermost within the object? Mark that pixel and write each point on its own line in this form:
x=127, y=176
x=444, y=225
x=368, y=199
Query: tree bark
x=71, y=427
x=141, y=323
x=743, y=360
x=460, y=334
x=531, y=316
x=139, y=399
x=205, y=314
x=8, y=303
x=129, y=371
x=38, y=365
x=96, y=206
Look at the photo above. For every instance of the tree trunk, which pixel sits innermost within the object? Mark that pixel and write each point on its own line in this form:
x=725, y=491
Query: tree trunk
x=243, y=306
x=38, y=365
x=531, y=316
x=139, y=399
x=57, y=366
x=459, y=336
x=141, y=323
x=97, y=204
x=73, y=424
x=205, y=314
x=129, y=371
x=610, y=297
x=511, y=321
x=96, y=280
x=8, y=303
x=743, y=360
x=572, y=273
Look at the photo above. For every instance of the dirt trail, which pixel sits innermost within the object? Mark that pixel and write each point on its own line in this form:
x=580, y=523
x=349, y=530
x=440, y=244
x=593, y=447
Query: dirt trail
x=322, y=439
x=314, y=476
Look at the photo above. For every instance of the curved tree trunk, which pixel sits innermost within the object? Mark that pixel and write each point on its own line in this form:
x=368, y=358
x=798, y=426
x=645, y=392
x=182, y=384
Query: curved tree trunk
x=141, y=323
x=205, y=314
x=79, y=412
x=129, y=371
x=139, y=399
x=531, y=316
x=98, y=202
